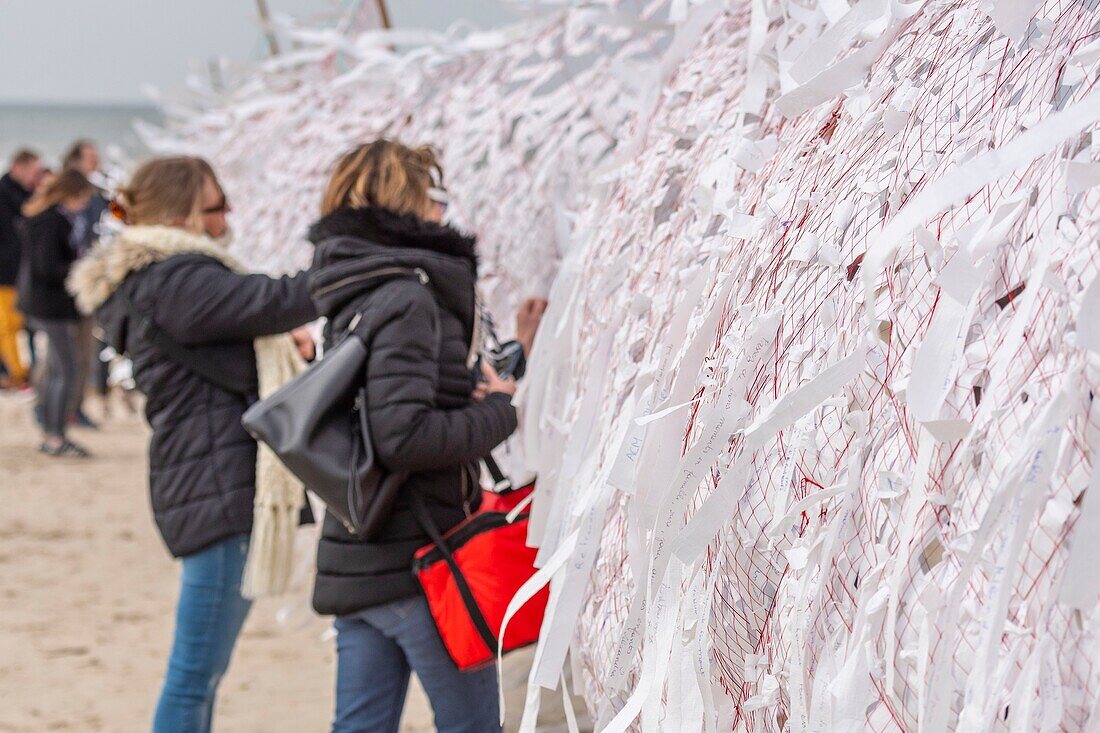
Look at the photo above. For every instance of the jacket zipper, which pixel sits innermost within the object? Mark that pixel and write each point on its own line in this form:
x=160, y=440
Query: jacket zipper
x=419, y=272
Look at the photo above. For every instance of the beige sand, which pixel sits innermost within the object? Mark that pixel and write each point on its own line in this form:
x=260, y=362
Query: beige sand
x=88, y=595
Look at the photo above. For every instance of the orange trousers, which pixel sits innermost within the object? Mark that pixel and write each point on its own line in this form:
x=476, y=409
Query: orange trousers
x=11, y=323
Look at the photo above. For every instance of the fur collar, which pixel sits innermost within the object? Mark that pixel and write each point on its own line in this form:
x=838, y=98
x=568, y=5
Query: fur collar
x=383, y=227
x=97, y=275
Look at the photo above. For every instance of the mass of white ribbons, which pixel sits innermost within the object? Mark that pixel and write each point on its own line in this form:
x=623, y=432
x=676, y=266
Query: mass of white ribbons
x=812, y=408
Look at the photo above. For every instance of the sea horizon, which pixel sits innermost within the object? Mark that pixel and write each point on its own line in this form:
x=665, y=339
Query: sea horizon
x=49, y=128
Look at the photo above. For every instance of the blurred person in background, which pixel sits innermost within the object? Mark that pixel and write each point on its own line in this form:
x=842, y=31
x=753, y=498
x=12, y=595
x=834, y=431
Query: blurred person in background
x=16, y=187
x=169, y=295
x=83, y=156
x=37, y=369
x=47, y=257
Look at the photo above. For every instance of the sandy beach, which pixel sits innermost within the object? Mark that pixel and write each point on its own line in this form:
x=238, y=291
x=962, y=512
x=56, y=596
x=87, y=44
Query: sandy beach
x=89, y=595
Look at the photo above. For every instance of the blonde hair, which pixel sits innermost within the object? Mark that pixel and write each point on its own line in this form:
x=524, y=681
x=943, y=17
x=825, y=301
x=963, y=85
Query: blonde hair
x=387, y=174
x=166, y=191
x=69, y=184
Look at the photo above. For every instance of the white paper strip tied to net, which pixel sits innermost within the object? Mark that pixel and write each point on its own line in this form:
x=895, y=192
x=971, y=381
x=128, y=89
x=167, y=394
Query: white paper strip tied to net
x=812, y=408
x=523, y=125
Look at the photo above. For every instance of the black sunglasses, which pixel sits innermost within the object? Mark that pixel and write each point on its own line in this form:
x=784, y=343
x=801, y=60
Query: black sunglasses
x=221, y=208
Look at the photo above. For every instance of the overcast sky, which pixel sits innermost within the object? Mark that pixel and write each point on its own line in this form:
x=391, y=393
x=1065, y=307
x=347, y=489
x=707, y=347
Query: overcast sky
x=107, y=51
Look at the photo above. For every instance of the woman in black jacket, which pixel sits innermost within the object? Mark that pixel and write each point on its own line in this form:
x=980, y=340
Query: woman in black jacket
x=379, y=218
x=47, y=258
x=167, y=293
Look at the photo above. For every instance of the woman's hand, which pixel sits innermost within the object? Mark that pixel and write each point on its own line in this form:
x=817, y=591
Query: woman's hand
x=304, y=341
x=528, y=318
x=493, y=383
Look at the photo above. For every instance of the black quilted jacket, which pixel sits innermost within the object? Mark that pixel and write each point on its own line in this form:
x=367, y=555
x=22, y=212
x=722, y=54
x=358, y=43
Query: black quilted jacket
x=419, y=381
x=47, y=259
x=12, y=198
x=202, y=463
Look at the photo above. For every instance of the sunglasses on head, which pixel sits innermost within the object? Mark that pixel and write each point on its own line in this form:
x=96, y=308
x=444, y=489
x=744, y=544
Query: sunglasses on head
x=440, y=196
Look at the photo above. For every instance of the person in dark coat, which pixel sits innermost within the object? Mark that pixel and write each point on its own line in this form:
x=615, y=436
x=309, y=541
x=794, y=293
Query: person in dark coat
x=47, y=259
x=165, y=280
x=16, y=187
x=83, y=156
x=422, y=329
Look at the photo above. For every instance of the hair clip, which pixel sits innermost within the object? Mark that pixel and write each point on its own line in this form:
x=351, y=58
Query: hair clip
x=118, y=211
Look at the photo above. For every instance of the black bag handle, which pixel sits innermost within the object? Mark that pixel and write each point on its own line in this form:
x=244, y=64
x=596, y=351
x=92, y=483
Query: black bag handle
x=355, y=498
x=360, y=447
x=420, y=511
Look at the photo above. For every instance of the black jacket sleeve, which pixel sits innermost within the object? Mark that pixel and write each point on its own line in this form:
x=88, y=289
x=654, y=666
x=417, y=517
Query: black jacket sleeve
x=409, y=432
x=48, y=249
x=11, y=245
x=199, y=300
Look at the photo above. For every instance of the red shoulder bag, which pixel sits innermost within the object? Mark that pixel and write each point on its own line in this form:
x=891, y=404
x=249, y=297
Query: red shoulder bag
x=470, y=574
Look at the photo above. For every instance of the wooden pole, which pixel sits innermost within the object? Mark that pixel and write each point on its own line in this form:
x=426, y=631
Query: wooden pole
x=214, y=67
x=265, y=20
x=383, y=14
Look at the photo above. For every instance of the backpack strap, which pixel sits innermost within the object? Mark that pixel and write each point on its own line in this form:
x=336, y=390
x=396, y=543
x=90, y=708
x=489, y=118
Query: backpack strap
x=420, y=511
x=501, y=483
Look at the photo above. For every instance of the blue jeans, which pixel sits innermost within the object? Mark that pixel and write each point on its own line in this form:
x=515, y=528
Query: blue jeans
x=377, y=648
x=209, y=616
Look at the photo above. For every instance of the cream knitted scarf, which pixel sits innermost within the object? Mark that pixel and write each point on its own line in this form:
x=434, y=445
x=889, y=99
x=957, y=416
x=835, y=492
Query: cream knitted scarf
x=279, y=495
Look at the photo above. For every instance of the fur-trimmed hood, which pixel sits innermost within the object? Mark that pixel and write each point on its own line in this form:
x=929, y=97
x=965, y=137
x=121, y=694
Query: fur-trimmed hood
x=388, y=229
x=99, y=273
x=354, y=242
